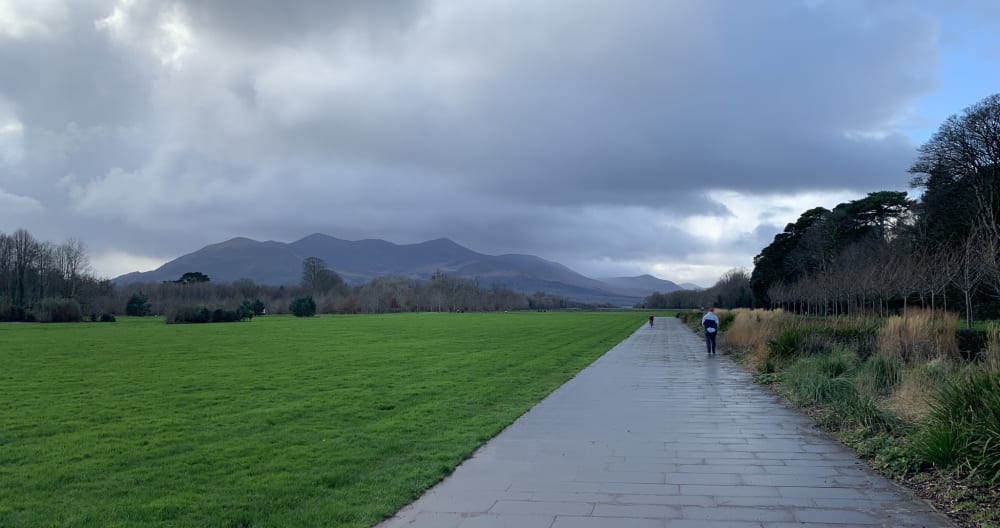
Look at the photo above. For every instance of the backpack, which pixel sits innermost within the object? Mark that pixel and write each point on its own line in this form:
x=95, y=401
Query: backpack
x=710, y=325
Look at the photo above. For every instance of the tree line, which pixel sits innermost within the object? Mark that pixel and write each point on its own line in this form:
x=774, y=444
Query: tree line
x=45, y=281
x=732, y=290
x=886, y=251
x=328, y=293
x=42, y=281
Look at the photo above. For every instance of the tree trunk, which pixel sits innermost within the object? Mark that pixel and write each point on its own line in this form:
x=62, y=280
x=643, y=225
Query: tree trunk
x=968, y=307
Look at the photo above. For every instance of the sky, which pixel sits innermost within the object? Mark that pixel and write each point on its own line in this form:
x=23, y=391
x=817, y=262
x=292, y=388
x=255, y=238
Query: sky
x=620, y=137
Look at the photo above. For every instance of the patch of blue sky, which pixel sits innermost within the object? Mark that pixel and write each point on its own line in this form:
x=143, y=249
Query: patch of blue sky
x=968, y=67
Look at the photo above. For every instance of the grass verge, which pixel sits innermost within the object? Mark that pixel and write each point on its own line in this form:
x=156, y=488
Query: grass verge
x=900, y=391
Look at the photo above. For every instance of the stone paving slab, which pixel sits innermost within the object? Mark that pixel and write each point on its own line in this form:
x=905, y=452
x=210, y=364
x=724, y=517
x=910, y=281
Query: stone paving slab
x=656, y=433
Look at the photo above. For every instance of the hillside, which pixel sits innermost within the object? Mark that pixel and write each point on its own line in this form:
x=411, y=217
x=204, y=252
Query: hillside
x=279, y=263
x=642, y=285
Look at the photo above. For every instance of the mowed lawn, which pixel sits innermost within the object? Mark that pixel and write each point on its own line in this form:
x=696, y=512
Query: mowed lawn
x=326, y=421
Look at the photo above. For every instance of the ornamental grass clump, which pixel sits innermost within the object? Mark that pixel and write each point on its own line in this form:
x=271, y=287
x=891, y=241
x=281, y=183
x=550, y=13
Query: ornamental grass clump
x=962, y=431
x=920, y=335
x=855, y=408
x=818, y=380
x=750, y=332
x=880, y=374
x=991, y=356
x=911, y=398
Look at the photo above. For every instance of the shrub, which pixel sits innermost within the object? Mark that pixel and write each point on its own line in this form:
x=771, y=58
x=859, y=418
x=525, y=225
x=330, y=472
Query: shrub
x=201, y=314
x=880, y=374
x=911, y=397
x=303, y=306
x=726, y=318
x=856, y=408
x=226, y=316
x=767, y=378
x=14, y=313
x=137, y=305
x=768, y=366
x=837, y=363
x=249, y=309
x=941, y=445
x=817, y=380
x=963, y=429
x=689, y=317
x=53, y=310
x=896, y=458
x=788, y=343
x=972, y=343
x=800, y=339
x=257, y=306
x=891, y=454
x=189, y=314
x=107, y=318
x=827, y=380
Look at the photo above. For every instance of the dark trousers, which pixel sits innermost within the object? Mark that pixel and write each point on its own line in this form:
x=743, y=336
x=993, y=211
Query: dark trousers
x=710, y=341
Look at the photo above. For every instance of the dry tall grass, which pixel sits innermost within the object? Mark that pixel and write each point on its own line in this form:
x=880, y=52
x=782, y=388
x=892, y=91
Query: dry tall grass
x=992, y=357
x=923, y=340
x=911, y=399
x=752, y=329
x=926, y=341
x=920, y=335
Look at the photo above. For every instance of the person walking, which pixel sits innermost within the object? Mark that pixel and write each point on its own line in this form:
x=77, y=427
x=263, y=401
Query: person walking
x=710, y=322
x=651, y=321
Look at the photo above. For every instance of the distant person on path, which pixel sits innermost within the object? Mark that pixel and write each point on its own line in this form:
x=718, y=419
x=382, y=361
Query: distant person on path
x=710, y=322
x=651, y=321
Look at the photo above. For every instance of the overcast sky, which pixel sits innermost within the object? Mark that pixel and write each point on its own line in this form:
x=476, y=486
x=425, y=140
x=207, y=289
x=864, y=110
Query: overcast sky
x=618, y=137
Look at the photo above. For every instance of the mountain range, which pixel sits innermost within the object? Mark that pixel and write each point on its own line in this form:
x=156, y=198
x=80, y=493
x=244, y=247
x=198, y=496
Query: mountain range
x=280, y=263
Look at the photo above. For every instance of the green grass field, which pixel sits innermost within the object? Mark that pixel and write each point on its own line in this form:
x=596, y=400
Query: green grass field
x=327, y=421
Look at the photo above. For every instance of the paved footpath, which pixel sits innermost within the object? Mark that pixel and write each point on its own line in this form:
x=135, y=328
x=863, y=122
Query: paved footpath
x=657, y=434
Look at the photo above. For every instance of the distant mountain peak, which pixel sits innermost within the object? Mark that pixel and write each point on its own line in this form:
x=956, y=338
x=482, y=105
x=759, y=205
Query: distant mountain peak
x=234, y=242
x=316, y=237
x=280, y=263
x=443, y=243
x=643, y=285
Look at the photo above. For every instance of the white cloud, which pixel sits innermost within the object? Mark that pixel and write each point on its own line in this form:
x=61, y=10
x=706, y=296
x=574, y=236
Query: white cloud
x=704, y=275
x=11, y=142
x=176, y=40
x=26, y=18
x=11, y=134
x=746, y=212
x=117, y=20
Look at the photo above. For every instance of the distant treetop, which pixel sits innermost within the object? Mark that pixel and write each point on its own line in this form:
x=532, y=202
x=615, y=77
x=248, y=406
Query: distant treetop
x=193, y=276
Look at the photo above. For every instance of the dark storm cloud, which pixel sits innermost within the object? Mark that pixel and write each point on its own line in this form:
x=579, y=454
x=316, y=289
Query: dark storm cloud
x=73, y=75
x=652, y=111
x=79, y=100
x=558, y=128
